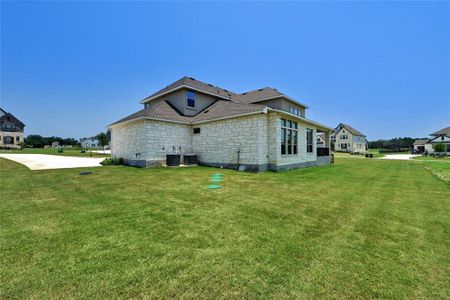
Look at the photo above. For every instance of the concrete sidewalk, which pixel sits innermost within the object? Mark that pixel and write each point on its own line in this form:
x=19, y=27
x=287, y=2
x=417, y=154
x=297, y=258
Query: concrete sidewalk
x=45, y=162
x=399, y=156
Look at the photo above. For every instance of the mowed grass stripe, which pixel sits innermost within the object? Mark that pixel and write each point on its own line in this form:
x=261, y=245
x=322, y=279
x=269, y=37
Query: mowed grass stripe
x=358, y=229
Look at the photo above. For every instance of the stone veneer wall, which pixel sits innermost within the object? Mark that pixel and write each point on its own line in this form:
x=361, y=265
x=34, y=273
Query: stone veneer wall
x=12, y=134
x=146, y=142
x=284, y=162
x=218, y=142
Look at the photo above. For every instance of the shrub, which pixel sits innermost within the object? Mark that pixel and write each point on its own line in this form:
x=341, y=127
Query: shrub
x=439, y=147
x=110, y=161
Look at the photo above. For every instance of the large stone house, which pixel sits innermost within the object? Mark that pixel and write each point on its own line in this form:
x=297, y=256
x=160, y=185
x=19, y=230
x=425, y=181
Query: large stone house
x=11, y=130
x=348, y=139
x=258, y=130
x=426, y=145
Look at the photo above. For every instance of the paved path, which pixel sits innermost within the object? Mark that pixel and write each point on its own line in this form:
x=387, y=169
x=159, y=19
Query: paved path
x=101, y=151
x=399, y=156
x=45, y=162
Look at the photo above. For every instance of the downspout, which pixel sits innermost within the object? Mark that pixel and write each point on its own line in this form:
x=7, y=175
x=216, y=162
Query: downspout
x=238, y=158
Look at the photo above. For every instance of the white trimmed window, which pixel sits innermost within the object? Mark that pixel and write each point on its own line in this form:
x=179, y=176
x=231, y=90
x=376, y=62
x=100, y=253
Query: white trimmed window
x=289, y=137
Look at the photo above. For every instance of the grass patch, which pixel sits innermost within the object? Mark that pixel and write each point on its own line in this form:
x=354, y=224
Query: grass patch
x=441, y=168
x=358, y=229
x=51, y=151
x=432, y=158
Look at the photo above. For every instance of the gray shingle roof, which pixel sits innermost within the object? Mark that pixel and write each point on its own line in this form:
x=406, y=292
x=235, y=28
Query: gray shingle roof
x=258, y=95
x=420, y=142
x=229, y=103
x=221, y=108
x=351, y=129
x=247, y=97
x=196, y=84
x=444, y=131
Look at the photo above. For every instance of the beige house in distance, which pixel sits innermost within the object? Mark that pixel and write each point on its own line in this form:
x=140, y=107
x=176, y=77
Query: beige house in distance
x=440, y=136
x=348, y=139
x=258, y=130
x=11, y=131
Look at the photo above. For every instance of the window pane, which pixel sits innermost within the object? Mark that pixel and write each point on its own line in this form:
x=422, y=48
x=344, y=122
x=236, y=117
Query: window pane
x=190, y=99
x=190, y=95
x=295, y=125
x=190, y=102
x=309, y=140
x=283, y=122
x=289, y=142
x=295, y=149
x=289, y=124
x=283, y=141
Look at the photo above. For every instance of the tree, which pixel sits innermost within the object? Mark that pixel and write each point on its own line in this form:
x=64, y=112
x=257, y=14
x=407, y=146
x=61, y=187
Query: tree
x=35, y=141
x=102, y=140
x=439, y=147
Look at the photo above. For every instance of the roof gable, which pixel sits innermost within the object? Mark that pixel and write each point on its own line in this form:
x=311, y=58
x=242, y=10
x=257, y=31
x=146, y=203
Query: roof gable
x=349, y=129
x=420, y=142
x=210, y=89
x=11, y=117
x=443, y=131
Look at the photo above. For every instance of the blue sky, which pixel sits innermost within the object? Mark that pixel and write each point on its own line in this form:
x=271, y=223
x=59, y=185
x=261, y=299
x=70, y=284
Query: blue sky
x=71, y=68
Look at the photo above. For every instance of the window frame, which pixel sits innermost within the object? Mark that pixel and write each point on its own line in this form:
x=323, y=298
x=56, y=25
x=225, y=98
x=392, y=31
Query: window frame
x=289, y=137
x=196, y=130
x=190, y=99
x=309, y=141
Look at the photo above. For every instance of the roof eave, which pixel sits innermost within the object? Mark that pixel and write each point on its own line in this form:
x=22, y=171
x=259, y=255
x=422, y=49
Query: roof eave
x=302, y=119
x=146, y=118
x=282, y=96
x=262, y=111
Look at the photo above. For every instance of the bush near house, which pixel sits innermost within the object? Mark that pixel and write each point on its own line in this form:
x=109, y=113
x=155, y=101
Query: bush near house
x=109, y=161
x=439, y=147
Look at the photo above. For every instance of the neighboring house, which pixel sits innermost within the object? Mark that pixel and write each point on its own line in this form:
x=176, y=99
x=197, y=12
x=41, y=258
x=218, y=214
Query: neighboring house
x=348, y=139
x=258, y=130
x=419, y=145
x=11, y=130
x=90, y=142
x=55, y=144
x=442, y=136
x=321, y=143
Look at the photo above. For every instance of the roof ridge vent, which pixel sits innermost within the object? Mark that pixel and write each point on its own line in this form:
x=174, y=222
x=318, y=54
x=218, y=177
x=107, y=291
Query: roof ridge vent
x=260, y=90
x=244, y=93
x=192, y=78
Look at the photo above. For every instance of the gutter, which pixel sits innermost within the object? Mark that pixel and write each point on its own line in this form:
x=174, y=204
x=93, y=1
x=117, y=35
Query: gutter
x=147, y=118
x=263, y=111
x=302, y=119
x=283, y=96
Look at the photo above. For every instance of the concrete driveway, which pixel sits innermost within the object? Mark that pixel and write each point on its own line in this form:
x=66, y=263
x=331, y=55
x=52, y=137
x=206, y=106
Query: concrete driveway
x=45, y=162
x=399, y=156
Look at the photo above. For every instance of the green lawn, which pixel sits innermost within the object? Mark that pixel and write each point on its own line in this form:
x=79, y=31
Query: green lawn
x=432, y=158
x=50, y=151
x=359, y=229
